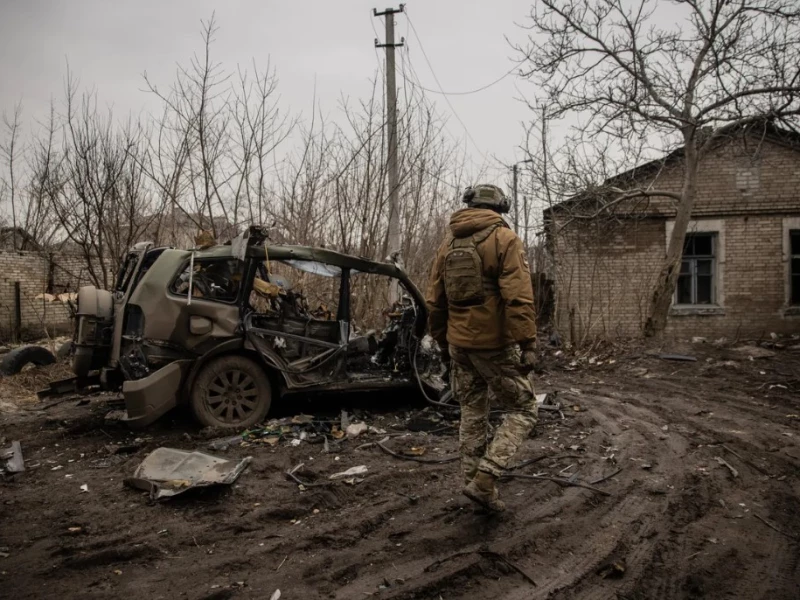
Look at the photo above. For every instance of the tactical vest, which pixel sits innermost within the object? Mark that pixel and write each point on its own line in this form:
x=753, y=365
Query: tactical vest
x=464, y=282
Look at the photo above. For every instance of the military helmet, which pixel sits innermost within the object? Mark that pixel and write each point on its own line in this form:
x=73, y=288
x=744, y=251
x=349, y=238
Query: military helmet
x=488, y=196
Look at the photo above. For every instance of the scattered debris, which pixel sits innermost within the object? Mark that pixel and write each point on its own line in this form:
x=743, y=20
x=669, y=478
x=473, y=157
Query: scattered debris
x=276, y=595
x=745, y=461
x=356, y=429
x=167, y=472
x=359, y=470
x=725, y=463
x=11, y=460
x=699, y=340
x=415, y=451
x=435, y=461
x=304, y=485
x=774, y=528
x=678, y=357
x=547, y=402
x=85, y=488
x=607, y=477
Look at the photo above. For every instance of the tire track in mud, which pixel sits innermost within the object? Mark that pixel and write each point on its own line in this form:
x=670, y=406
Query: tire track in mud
x=611, y=526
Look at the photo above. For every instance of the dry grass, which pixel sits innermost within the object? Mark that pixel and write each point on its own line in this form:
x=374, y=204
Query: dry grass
x=21, y=389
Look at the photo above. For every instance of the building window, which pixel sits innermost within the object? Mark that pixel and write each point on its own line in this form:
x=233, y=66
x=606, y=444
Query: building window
x=698, y=267
x=794, y=267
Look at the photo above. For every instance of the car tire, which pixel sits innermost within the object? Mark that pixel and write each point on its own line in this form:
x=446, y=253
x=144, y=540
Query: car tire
x=231, y=392
x=17, y=359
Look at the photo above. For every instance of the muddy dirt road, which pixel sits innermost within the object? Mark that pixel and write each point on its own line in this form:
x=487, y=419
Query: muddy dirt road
x=702, y=499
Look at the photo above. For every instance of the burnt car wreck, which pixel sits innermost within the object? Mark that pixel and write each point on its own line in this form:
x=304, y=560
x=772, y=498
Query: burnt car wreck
x=228, y=328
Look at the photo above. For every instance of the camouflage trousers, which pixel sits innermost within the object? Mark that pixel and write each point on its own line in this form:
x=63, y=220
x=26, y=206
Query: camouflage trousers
x=480, y=379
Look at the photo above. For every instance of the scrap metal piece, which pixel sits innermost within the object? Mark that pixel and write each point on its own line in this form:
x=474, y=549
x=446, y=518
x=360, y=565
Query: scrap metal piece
x=167, y=472
x=12, y=461
x=678, y=357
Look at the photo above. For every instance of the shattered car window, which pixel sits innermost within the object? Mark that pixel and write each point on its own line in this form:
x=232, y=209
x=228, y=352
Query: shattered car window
x=218, y=280
x=281, y=288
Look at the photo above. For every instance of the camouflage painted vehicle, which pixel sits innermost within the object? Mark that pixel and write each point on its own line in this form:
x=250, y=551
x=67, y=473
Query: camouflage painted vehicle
x=228, y=328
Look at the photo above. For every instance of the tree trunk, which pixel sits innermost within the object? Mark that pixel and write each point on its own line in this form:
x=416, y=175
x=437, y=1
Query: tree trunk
x=668, y=277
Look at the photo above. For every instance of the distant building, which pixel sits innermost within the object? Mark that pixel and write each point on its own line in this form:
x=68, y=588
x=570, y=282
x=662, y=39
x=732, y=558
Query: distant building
x=740, y=273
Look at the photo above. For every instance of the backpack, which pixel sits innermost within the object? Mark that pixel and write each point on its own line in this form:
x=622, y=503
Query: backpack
x=464, y=282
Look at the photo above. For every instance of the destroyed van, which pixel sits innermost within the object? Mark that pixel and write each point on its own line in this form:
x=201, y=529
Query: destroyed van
x=229, y=328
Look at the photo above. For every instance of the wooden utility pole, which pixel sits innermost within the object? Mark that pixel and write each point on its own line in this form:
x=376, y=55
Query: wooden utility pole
x=394, y=245
x=515, y=172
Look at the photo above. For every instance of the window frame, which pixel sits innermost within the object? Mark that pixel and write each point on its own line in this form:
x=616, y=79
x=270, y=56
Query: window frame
x=208, y=259
x=693, y=259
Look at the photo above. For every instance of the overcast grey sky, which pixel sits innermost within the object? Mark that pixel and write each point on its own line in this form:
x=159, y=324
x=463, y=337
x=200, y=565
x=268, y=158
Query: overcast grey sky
x=109, y=44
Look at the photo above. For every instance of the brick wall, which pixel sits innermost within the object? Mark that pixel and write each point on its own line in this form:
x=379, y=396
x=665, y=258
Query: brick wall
x=38, y=273
x=605, y=268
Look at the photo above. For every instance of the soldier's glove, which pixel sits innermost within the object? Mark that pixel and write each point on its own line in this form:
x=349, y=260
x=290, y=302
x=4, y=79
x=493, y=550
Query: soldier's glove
x=530, y=358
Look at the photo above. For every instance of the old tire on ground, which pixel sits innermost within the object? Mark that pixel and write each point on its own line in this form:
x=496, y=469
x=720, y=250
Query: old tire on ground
x=15, y=361
x=231, y=392
x=64, y=350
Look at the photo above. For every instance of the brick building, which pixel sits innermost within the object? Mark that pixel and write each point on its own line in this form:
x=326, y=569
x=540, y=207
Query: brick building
x=39, y=275
x=740, y=275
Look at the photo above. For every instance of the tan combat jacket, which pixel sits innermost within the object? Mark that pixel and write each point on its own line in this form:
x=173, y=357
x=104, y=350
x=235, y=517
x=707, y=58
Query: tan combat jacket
x=502, y=319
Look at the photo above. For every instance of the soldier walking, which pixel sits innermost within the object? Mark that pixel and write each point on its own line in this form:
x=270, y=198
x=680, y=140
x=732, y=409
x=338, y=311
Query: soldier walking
x=482, y=316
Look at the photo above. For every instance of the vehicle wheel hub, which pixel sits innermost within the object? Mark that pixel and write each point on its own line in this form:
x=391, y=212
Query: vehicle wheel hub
x=232, y=396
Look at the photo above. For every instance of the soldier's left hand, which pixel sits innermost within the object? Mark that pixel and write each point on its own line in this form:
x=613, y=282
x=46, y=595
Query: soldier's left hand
x=530, y=359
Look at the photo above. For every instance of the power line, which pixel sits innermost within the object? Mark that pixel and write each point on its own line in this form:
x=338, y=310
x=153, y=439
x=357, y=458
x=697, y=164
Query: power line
x=468, y=92
x=438, y=83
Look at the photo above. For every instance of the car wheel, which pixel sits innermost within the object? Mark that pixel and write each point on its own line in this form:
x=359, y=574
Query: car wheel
x=17, y=359
x=231, y=392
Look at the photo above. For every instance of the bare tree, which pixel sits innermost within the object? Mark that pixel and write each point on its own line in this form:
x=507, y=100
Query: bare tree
x=10, y=151
x=635, y=79
x=97, y=191
x=216, y=136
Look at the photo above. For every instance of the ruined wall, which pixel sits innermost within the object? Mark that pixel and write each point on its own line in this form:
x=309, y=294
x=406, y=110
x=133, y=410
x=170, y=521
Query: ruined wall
x=38, y=273
x=750, y=200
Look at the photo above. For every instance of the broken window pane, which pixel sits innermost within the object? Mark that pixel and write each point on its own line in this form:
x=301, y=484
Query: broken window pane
x=297, y=289
x=218, y=280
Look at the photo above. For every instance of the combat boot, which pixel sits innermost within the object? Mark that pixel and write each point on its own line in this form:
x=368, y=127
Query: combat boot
x=483, y=491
